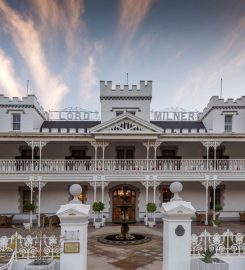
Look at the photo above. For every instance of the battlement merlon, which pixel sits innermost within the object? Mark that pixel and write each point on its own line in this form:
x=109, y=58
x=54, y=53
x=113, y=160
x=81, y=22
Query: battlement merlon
x=30, y=100
x=144, y=90
x=215, y=101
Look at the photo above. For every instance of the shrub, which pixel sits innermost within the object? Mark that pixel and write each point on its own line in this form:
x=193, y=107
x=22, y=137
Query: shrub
x=98, y=206
x=28, y=206
x=151, y=207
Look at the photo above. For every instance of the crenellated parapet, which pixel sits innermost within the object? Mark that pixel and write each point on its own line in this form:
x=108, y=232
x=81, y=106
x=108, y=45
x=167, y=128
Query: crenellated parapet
x=24, y=102
x=108, y=91
x=215, y=102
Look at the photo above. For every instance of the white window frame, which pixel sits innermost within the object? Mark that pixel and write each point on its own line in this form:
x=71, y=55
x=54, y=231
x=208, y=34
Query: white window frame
x=228, y=125
x=14, y=123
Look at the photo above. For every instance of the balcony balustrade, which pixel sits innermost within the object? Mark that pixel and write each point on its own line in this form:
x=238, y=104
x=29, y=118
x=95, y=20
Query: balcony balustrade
x=110, y=165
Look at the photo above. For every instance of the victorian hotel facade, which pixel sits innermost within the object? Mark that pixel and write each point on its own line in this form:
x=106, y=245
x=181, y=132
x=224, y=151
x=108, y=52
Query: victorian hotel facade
x=42, y=154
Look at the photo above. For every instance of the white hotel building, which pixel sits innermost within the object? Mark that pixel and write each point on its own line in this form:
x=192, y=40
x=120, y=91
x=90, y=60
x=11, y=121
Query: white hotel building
x=206, y=153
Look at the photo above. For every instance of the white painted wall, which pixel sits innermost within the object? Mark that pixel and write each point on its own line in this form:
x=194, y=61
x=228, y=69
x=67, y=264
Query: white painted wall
x=109, y=104
x=32, y=114
x=213, y=115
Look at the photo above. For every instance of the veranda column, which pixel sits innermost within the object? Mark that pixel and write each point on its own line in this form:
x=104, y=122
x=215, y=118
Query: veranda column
x=156, y=144
x=74, y=232
x=207, y=145
x=41, y=145
x=147, y=145
x=177, y=231
x=103, y=185
x=206, y=185
x=32, y=144
x=94, y=185
x=146, y=185
x=104, y=145
x=31, y=187
x=94, y=144
x=155, y=185
x=40, y=185
x=214, y=184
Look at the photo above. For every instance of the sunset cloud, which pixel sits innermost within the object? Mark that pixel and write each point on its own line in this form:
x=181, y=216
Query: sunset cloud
x=49, y=87
x=88, y=79
x=58, y=17
x=132, y=13
x=9, y=83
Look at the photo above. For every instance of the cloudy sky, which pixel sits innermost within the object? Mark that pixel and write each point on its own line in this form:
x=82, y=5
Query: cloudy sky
x=65, y=47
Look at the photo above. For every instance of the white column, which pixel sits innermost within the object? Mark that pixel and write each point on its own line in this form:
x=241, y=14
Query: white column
x=207, y=145
x=31, y=186
x=206, y=185
x=74, y=232
x=104, y=145
x=177, y=231
x=214, y=185
x=147, y=145
x=41, y=145
x=214, y=191
x=41, y=184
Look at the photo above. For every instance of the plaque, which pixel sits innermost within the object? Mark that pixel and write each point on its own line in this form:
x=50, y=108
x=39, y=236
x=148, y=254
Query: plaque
x=72, y=247
x=180, y=231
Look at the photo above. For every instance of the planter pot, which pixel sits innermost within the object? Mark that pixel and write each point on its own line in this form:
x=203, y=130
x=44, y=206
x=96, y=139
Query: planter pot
x=27, y=226
x=36, y=265
x=216, y=265
x=145, y=221
x=151, y=224
x=97, y=224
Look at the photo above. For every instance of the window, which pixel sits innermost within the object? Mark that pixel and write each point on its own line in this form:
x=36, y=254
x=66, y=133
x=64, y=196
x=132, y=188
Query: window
x=26, y=198
x=228, y=123
x=119, y=112
x=217, y=197
x=16, y=121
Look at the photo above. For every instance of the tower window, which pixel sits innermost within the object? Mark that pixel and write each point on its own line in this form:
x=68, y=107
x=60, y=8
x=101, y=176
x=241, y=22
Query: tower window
x=228, y=123
x=16, y=117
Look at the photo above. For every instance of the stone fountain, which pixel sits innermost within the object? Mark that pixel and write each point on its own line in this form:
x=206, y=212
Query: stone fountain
x=124, y=237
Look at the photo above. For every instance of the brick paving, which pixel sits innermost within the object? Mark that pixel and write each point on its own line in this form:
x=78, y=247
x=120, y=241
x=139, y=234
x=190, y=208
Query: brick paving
x=146, y=256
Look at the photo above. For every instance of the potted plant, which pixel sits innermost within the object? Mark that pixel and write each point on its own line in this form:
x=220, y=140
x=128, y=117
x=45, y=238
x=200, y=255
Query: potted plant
x=28, y=207
x=210, y=263
x=97, y=208
x=151, y=208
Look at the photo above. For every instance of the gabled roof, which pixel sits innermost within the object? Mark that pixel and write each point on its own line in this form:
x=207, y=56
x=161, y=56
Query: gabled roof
x=126, y=123
x=69, y=124
x=179, y=125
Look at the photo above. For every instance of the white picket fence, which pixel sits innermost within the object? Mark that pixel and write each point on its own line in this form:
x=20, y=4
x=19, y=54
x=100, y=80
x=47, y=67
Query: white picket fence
x=27, y=247
x=225, y=244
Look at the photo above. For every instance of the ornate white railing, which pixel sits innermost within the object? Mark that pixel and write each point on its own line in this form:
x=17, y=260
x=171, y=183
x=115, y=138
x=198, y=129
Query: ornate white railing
x=26, y=247
x=61, y=165
x=227, y=243
x=8, y=265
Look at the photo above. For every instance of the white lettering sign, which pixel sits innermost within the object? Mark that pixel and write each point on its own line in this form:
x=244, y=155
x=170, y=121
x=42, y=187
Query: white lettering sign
x=73, y=115
x=174, y=116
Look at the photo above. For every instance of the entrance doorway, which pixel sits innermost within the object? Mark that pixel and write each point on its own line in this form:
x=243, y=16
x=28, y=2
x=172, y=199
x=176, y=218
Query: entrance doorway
x=117, y=201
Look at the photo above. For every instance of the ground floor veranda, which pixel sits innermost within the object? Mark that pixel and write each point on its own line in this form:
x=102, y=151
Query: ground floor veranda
x=48, y=196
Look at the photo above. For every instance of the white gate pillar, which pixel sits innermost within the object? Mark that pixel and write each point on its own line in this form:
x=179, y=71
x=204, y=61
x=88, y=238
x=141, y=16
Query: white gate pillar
x=74, y=232
x=177, y=231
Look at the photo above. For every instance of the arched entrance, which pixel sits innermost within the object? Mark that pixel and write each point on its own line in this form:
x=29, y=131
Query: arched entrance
x=117, y=201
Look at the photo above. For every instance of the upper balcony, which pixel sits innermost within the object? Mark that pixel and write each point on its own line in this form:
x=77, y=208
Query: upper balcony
x=120, y=165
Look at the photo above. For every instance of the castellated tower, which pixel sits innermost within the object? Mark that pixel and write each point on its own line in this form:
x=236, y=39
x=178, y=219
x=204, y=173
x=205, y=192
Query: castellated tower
x=118, y=100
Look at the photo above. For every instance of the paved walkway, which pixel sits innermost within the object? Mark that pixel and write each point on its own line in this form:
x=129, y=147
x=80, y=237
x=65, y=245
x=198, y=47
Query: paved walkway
x=144, y=256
